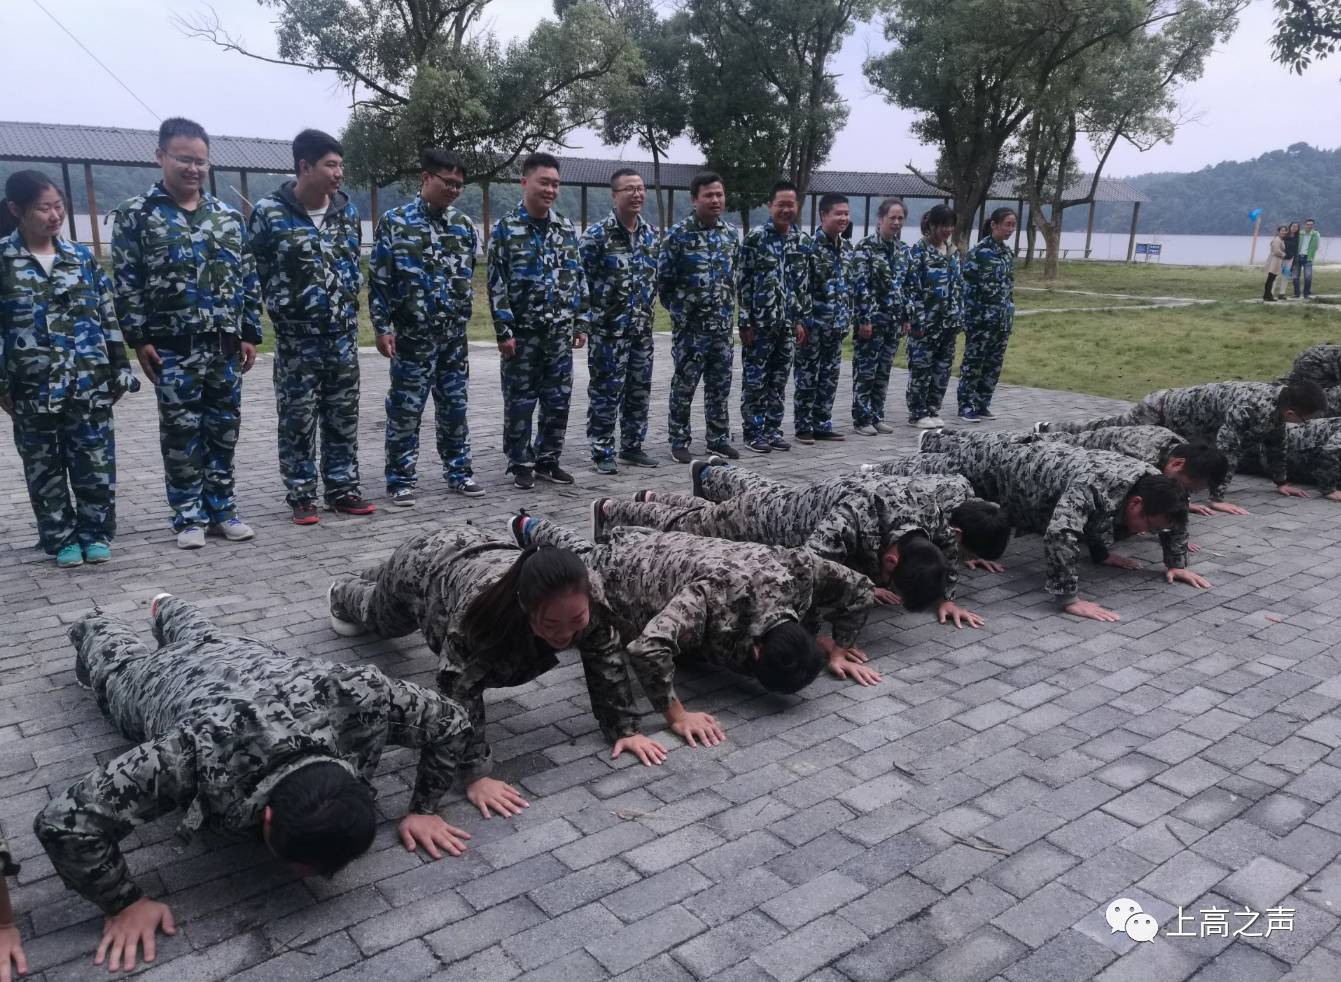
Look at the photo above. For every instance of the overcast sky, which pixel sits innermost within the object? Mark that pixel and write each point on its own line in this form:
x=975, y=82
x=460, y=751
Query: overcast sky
x=1244, y=105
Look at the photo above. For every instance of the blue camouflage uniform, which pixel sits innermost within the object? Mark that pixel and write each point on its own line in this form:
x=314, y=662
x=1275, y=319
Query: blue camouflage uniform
x=310, y=277
x=538, y=298
x=881, y=267
x=934, y=290
x=186, y=283
x=773, y=300
x=621, y=268
x=64, y=364
x=420, y=292
x=696, y=280
x=833, y=292
x=989, y=310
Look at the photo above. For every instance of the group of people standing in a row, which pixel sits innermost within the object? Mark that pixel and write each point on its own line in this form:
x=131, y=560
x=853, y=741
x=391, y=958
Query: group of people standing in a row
x=1290, y=258
x=191, y=276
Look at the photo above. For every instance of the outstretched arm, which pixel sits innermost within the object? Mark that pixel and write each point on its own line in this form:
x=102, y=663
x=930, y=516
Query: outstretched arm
x=681, y=625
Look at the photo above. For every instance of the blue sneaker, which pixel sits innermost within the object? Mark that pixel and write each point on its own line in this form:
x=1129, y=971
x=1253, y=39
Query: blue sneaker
x=97, y=552
x=70, y=556
x=969, y=415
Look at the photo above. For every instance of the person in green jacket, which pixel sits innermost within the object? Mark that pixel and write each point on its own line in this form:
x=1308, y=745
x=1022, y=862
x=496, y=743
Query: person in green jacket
x=1303, y=264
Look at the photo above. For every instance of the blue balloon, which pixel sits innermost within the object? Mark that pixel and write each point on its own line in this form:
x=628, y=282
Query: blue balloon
x=1253, y=215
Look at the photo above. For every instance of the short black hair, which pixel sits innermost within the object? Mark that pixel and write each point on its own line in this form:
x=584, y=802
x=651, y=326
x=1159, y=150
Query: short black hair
x=175, y=126
x=1306, y=398
x=939, y=215
x=1160, y=496
x=537, y=160
x=780, y=186
x=919, y=578
x=985, y=526
x=829, y=201
x=1201, y=462
x=789, y=658
x=889, y=203
x=702, y=179
x=434, y=160
x=312, y=145
x=321, y=816
x=622, y=172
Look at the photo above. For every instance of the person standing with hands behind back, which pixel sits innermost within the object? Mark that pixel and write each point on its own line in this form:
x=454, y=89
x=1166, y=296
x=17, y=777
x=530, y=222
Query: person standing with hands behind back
x=989, y=312
x=934, y=288
x=189, y=302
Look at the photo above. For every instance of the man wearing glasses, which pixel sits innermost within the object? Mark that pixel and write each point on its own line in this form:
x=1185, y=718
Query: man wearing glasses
x=619, y=255
x=189, y=302
x=419, y=298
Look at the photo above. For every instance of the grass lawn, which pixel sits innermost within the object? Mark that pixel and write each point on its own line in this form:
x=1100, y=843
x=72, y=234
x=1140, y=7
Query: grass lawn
x=1123, y=354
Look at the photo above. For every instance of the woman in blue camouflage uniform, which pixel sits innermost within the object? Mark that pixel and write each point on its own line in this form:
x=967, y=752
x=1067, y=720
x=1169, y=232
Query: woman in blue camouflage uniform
x=933, y=287
x=64, y=364
x=989, y=310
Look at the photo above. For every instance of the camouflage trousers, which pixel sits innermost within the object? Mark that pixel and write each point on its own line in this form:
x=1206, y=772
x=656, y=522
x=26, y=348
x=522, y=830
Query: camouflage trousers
x=930, y=356
x=540, y=372
x=706, y=354
x=986, y=334
x=740, y=505
x=619, y=367
x=420, y=367
x=1334, y=401
x=199, y=413
x=765, y=364
x=816, y=369
x=872, y=359
x=1148, y=412
x=317, y=388
x=71, y=451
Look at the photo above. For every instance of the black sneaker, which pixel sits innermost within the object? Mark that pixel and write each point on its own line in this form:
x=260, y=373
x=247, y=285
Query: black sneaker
x=553, y=473
x=805, y=437
x=466, y=486
x=351, y=504
x=778, y=443
x=605, y=466
x=402, y=497
x=833, y=436
x=986, y=414
x=598, y=520
x=724, y=450
x=696, y=470
x=523, y=479
x=681, y=455
x=758, y=445
x=638, y=458
x=305, y=513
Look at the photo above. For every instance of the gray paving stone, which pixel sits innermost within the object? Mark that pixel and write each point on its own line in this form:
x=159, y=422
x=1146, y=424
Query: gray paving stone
x=559, y=935
x=1242, y=963
x=727, y=944
x=655, y=892
x=1042, y=915
x=812, y=947
x=646, y=938
x=737, y=895
x=1030, y=868
x=1069, y=957
x=896, y=950
x=1262, y=883
x=580, y=888
x=975, y=958
x=882, y=908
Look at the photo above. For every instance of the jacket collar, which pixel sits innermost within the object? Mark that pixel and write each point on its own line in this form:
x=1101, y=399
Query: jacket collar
x=288, y=194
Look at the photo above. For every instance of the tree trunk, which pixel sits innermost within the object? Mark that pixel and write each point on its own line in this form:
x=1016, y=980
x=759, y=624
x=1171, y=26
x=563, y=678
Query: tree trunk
x=656, y=182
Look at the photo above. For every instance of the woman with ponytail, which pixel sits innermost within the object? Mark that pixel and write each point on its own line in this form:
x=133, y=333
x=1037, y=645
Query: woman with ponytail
x=496, y=615
x=64, y=365
x=989, y=311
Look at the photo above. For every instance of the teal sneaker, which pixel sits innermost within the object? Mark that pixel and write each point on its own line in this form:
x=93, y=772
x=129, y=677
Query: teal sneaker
x=70, y=556
x=97, y=552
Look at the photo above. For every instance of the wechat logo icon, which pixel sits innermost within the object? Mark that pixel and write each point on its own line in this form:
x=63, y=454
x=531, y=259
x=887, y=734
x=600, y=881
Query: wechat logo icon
x=1125, y=915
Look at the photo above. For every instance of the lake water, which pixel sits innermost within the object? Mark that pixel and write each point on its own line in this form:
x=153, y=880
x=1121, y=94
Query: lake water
x=1177, y=250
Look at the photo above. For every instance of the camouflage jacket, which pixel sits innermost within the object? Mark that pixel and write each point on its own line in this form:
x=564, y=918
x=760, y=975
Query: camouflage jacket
x=710, y=600
x=1320, y=363
x=536, y=281
x=1148, y=444
x=934, y=290
x=833, y=284
x=178, y=273
x=466, y=561
x=989, y=281
x=621, y=268
x=774, y=270
x=420, y=276
x=310, y=276
x=880, y=270
x=1069, y=495
x=1238, y=417
x=1312, y=454
x=58, y=333
x=697, y=274
x=7, y=865
x=231, y=718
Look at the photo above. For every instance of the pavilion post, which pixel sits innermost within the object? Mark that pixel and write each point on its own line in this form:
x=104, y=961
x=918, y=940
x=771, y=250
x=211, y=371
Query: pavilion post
x=484, y=210
x=372, y=204
x=1019, y=223
x=246, y=194
x=69, y=201
x=582, y=220
x=1089, y=230
x=92, y=210
x=868, y=214
x=1131, y=239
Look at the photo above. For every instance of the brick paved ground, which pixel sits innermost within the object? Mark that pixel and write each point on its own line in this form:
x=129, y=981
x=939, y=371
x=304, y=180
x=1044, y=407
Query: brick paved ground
x=1186, y=756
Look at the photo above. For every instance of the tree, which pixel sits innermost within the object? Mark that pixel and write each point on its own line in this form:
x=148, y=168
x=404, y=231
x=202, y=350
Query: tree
x=421, y=73
x=1306, y=31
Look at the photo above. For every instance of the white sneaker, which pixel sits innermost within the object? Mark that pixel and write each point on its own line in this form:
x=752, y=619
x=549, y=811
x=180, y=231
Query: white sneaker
x=153, y=604
x=937, y=421
x=346, y=629
x=234, y=530
x=882, y=427
x=928, y=423
x=1042, y=426
x=191, y=538
x=868, y=468
x=867, y=430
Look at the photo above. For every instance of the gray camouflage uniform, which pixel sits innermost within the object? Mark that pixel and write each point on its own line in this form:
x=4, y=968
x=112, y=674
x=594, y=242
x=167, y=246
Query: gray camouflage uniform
x=429, y=584
x=221, y=720
x=711, y=600
x=1312, y=454
x=1149, y=444
x=1320, y=363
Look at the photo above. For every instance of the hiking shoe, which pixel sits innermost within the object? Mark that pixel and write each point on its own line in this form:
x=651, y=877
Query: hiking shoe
x=605, y=466
x=927, y=423
x=97, y=552
x=681, y=455
x=523, y=478
x=342, y=627
x=517, y=527
x=598, y=520
x=758, y=445
x=466, y=486
x=553, y=473
x=638, y=458
x=305, y=513
x=401, y=497
x=1042, y=426
x=696, y=470
x=778, y=443
x=70, y=556
x=866, y=429
x=986, y=414
x=351, y=504
x=882, y=427
x=832, y=436
x=969, y=415
x=804, y=436
x=192, y=537
x=234, y=530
